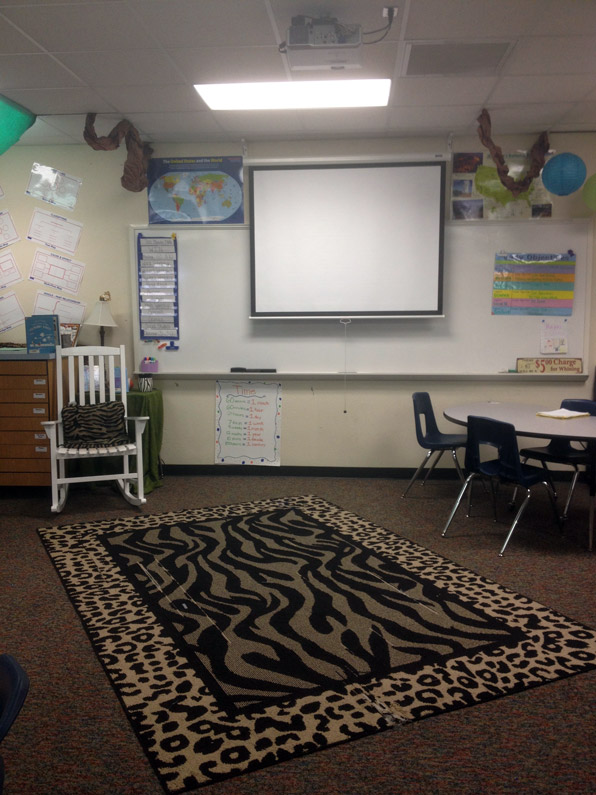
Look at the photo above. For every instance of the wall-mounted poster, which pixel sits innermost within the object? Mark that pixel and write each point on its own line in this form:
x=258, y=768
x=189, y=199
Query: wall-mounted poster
x=534, y=284
x=248, y=423
x=477, y=193
x=195, y=190
x=157, y=283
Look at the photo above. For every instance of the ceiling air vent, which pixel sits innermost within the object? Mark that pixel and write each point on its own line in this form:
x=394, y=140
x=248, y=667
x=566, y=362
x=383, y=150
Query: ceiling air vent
x=455, y=58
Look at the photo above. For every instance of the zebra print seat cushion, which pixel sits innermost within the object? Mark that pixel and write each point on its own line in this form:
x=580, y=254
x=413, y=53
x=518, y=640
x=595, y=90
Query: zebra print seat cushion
x=99, y=425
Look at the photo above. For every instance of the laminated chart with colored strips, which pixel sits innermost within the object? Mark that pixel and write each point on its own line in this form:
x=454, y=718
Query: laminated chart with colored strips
x=533, y=284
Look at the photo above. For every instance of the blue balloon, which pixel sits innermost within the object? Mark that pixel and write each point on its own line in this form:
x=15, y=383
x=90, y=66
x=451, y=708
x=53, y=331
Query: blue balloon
x=564, y=174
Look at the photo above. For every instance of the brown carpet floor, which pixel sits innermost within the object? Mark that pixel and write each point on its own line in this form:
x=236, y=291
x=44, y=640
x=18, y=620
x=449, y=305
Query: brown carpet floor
x=72, y=736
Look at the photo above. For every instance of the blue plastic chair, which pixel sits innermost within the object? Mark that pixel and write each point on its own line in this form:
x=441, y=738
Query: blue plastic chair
x=507, y=467
x=561, y=451
x=431, y=439
x=14, y=686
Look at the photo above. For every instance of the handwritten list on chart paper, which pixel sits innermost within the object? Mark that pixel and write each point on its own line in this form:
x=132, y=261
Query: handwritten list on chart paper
x=248, y=423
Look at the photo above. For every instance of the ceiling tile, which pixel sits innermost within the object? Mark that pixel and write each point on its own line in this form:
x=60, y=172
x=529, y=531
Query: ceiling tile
x=531, y=119
x=44, y=134
x=197, y=23
x=33, y=71
x=534, y=89
x=343, y=123
x=84, y=27
x=582, y=113
x=59, y=100
x=228, y=64
x=567, y=55
x=446, y=119
x=572, y=18
x=168, y=99
x=11, y=40
x=441, y=90
x=192, y=123
x=262, y=123
x=459, y=19
x=123, y=67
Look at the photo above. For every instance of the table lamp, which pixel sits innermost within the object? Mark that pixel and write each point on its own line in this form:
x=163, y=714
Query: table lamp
x=101, y=315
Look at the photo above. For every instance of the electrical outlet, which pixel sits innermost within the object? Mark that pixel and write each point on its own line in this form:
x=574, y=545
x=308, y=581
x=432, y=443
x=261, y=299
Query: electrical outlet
x=386, y=11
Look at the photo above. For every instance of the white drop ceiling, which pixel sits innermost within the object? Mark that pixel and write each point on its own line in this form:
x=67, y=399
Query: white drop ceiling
x=531, y=63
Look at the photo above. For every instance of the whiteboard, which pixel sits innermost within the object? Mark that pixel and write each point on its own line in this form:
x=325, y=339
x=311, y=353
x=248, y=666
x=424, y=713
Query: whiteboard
x=216, y=332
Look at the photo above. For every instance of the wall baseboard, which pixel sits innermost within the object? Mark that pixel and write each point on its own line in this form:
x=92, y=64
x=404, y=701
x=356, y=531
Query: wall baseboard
x=396, y=473
x=285, y=471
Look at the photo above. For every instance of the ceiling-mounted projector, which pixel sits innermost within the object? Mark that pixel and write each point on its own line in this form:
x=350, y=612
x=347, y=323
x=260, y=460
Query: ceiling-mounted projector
x=322, y=43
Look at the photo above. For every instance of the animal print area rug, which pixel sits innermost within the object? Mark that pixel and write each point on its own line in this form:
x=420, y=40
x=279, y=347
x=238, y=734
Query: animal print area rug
x=244, y=635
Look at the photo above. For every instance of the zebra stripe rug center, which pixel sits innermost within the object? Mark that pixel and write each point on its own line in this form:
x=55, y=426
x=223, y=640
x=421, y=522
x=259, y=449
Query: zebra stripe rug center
x=243, y=635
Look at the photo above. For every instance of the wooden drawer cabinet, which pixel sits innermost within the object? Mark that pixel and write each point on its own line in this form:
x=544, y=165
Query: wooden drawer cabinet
x=27, y=396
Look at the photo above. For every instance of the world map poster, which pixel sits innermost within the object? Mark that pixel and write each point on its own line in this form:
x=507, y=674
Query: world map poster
x=195, y=190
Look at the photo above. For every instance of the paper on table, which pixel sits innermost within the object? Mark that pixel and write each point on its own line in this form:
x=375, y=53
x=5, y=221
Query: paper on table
x=563, y=414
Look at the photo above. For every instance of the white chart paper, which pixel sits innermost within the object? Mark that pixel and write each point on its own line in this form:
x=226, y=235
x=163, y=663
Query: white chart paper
x=69, y=310
x=9, y=270
x=54, y=231
x=8, y=232
x=57, y=271
x=11, y=313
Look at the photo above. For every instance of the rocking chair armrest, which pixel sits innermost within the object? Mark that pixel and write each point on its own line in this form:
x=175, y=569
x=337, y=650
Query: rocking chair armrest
x=53, y=429
x=140, y=422
x=49, y=423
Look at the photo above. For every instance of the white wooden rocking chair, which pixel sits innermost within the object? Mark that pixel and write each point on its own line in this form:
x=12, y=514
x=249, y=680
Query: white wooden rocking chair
x=93, y=423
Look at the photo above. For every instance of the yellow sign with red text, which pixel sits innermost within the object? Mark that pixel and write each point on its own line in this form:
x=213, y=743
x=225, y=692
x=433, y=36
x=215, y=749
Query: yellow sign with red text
x=566, y=364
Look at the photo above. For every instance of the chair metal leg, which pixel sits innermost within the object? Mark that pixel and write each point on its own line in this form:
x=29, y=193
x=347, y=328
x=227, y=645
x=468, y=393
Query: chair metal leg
x=514, y=495
x=431, y=468
x=552, y=495
x=419, y=470
x=457, y=466
x=493, y=492
x=553, y=501
x=570, y=493
x=467, y=484
x=518, y=516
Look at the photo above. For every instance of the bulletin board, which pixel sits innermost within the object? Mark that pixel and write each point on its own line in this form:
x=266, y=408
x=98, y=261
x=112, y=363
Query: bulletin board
x=217, y=334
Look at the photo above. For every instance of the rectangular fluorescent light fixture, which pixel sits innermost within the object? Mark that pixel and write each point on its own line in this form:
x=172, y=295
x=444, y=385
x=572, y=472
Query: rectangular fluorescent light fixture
x=299, y=94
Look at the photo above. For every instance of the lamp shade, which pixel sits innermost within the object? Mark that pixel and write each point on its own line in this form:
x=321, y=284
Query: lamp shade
x=564, y=174
x=14, y=120
x=101, y=315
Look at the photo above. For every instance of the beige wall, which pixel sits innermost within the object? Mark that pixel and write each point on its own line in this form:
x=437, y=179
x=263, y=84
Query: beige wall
x=325, y=423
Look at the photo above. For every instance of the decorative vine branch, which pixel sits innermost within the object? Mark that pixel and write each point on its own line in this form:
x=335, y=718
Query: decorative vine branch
x=134, y=177
x=537, y=156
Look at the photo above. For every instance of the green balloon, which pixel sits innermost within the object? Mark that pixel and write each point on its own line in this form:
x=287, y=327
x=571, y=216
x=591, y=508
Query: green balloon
x=589, y=192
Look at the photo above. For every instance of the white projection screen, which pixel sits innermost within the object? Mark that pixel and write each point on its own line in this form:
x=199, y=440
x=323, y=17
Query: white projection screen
x=349, y=240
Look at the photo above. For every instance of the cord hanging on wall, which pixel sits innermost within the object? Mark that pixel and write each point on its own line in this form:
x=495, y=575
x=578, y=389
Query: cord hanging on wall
x=345, y=322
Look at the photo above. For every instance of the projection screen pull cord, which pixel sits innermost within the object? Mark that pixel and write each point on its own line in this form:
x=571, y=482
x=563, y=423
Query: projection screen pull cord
x=345, y=323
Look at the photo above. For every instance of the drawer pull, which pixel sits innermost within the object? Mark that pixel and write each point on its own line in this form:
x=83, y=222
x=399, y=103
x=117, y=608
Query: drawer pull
x=38, y=411
x=39, y=382
x=39, y=396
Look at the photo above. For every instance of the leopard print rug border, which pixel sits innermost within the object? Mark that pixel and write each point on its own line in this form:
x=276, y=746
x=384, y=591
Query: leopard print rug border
x=188, y=702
